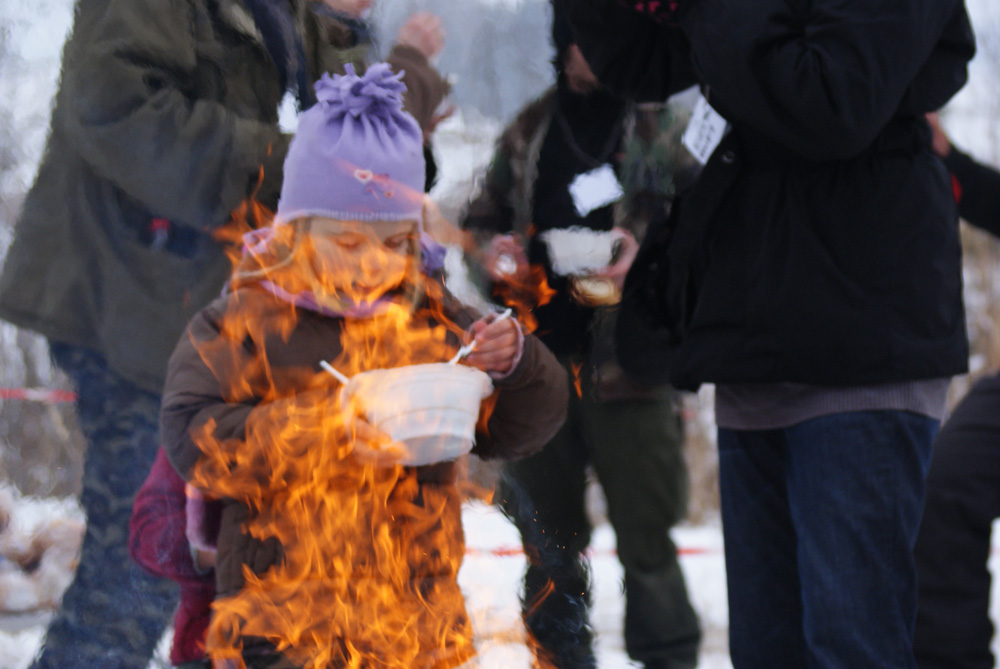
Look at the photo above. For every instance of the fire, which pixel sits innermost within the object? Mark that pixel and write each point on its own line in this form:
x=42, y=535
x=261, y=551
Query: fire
x=370, y=554
x=521, y=290
x=575, y=367
x=249, y=215
x=525, y=294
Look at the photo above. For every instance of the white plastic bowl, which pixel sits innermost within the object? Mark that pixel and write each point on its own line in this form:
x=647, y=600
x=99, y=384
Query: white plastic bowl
x=431, y=409
x=576, y=250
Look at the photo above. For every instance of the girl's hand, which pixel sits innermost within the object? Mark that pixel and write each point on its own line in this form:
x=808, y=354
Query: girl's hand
x=372, y=446
x=496, y=344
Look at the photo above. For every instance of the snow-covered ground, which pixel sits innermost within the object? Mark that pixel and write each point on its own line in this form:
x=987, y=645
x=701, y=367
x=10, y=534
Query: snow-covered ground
x=490, y=579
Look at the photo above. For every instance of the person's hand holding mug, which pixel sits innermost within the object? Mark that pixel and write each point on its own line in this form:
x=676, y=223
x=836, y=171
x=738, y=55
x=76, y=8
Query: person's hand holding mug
x=505, y=258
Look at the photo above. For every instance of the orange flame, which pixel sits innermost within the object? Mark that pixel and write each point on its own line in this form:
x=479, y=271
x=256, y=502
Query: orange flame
x=525, y=294
x=370, y=554
x=249, y=215
x=575, y=367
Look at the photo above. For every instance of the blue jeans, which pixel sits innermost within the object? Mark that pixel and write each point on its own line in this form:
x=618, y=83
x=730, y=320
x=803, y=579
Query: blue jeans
x=819, y=521
x=113, y=613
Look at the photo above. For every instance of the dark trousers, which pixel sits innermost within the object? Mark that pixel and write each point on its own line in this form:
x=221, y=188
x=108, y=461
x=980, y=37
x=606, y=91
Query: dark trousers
x=963, y=498
x=635, y=447
x=819, y=521
x=113, y=613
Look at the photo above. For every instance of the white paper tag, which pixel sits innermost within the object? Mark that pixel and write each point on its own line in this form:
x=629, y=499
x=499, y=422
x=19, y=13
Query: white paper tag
x=595, y=189
x=288, y=114
x=704, y=132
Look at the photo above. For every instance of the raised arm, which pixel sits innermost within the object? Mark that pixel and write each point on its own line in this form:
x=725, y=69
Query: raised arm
x=530, y=407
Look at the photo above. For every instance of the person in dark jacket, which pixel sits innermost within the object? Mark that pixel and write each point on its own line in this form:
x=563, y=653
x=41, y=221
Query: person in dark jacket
x=166, y=121
x=631, y=434
x=953, y=629
x=813, y=273
x=336, y=546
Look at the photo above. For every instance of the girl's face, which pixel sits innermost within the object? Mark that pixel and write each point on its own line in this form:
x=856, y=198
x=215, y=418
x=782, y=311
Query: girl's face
x=362, y=261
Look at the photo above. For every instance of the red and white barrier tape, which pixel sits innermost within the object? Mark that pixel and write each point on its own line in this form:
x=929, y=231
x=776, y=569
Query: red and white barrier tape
x=37, y=395
x=514, y=551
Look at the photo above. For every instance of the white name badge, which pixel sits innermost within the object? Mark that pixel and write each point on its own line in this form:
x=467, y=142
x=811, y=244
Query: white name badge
x=704, y=132
x=594, y=189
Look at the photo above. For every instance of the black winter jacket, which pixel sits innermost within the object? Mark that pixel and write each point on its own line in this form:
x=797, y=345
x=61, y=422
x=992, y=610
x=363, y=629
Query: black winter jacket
x=821, y=243
x=979, y=191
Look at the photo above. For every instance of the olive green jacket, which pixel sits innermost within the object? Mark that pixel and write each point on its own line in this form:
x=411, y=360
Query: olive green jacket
x=167, y=109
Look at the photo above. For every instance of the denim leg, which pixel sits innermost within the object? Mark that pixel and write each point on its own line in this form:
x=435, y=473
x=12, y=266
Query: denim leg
x=856, y=492
x=765, y=606
x=113, y=613
x=953, y=629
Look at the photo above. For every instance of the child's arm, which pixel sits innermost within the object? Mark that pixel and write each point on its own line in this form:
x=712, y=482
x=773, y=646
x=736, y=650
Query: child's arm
x=530, y=406
x=157, y=539
x=215, y=389
x=193, y=395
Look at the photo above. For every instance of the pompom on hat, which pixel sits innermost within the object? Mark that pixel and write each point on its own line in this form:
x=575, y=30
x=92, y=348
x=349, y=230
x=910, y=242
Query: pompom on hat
x=356, y=156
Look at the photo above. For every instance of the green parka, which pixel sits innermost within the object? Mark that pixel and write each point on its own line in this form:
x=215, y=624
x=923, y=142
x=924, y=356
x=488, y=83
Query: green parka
x=167, y=112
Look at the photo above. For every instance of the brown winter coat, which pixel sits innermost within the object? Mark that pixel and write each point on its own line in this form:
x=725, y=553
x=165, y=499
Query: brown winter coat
x=530, y=405
x=167, y=109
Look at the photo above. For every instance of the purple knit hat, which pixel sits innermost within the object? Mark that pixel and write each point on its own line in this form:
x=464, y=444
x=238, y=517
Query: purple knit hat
x=357, y=156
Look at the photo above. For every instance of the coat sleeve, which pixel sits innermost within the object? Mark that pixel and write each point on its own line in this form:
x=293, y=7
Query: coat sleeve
x=157, y=539
x=823, y=78
x=193, y=395
x=530, y=407
x=425, y=87
x=130, y=103
x=979, y=201
x=222, y=376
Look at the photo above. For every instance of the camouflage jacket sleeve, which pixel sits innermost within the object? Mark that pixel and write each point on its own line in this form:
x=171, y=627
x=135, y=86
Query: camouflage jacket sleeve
x=503, y=200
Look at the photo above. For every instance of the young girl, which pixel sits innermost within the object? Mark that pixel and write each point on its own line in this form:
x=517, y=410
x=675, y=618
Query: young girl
x=330, y=552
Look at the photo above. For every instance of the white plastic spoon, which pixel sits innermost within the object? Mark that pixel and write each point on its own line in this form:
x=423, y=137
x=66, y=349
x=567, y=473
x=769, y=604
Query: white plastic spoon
x=471, y=346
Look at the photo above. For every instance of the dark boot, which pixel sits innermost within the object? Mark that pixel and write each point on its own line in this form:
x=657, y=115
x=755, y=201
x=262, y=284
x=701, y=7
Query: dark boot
x=556, y=610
